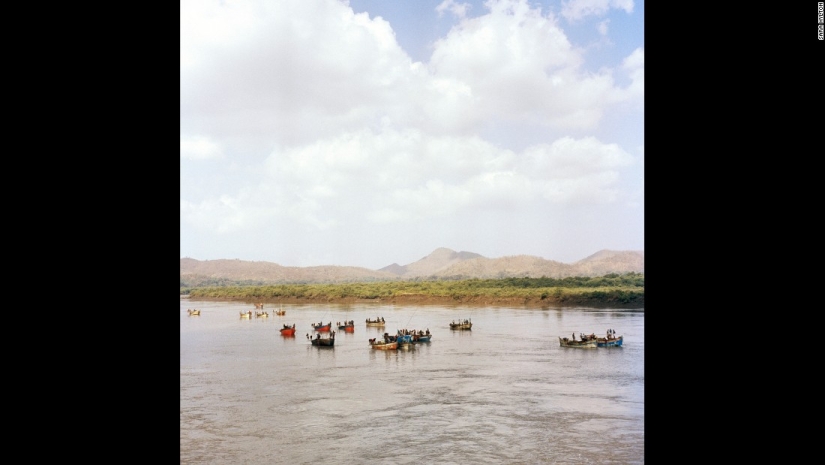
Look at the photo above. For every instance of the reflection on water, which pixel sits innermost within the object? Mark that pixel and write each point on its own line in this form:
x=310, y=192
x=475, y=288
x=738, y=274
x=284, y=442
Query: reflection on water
x=503, y=392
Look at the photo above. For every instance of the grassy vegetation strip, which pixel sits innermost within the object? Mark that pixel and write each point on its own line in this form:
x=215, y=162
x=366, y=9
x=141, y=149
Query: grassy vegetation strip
x=624, y=288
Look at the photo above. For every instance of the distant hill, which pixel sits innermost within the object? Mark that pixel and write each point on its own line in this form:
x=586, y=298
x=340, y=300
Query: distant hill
x=442, y=263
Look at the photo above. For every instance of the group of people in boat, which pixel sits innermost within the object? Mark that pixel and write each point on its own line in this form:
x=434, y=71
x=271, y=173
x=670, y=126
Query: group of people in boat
x=318, y=335
x=376, y=320
x=286, y=326
x=415, y=334
x=346, y=323
x=465, y=322
x=611, y=334
x=317, y=325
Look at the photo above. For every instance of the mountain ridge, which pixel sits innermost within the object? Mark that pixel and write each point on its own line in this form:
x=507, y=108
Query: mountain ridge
x=442, y=263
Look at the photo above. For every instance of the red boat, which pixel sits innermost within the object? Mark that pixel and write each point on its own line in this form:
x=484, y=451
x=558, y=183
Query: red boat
x=288, y=330
x=348, y=326
x=321, y=327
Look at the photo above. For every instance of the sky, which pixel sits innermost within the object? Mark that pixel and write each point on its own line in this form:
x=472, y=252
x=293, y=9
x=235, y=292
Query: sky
x=370, y=132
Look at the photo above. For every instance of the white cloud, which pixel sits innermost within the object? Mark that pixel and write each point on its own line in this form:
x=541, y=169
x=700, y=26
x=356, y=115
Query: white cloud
x=602, y=27
x=579, y=9
x=199, y=148
x=458, y=9
x=319, y=129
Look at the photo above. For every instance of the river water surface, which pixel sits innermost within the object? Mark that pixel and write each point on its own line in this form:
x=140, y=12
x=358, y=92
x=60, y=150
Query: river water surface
x=504, y=392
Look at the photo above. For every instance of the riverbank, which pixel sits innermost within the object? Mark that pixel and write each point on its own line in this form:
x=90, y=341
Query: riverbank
x=471, y=301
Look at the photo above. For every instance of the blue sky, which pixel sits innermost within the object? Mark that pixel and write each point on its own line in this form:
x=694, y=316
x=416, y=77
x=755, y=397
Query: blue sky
x=370, y=132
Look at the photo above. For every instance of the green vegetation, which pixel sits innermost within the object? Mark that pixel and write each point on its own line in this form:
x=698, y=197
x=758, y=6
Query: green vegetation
x=625, y=288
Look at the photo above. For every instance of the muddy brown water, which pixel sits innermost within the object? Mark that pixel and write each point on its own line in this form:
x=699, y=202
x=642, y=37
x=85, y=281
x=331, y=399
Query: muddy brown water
x=503, y=392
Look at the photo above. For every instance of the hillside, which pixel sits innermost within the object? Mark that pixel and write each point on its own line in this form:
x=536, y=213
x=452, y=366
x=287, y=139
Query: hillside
x=442, y=263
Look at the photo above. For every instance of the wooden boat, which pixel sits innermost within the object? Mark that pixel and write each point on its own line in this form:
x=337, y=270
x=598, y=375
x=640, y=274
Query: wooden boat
x=466, y=324
x=280, y=312
x=610, y=342
x=193, y=312
x=348, y=326
x=383, y=345
x=421, y=336
x=261, y=315
x=246, y=314
x=321, y=327
x=375, y=322
x=288, y=330
x=405, y=341
x=565, y=342
x=323, y=342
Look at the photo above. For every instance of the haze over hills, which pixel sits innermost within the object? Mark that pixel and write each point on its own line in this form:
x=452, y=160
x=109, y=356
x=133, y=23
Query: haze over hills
x=442, y=263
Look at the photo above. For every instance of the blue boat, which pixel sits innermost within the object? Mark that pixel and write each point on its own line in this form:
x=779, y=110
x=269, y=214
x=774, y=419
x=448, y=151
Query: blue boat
x=612, y=342
x=422, y=337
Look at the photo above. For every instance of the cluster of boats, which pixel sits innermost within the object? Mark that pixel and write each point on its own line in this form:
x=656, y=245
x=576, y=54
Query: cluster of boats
x=590, y=341
x=404, y=339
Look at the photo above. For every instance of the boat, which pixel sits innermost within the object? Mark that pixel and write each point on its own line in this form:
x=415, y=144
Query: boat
x=422, y=336
x=405, y=341
x=246, y=314
x=193, y=312
x=323, y=342
x=288, y=330
x=375, y=322
x=321, y=327
x=587, y=344
x=280, y=312
x=466, y=324
x=348, y=326
x=611, y=340
x=261, y=315
x=383, y=345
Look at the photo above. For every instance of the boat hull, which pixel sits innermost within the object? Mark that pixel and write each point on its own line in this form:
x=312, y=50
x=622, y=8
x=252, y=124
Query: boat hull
x=288, y=332
x=564, y=342
x=322, y=329
x=348, y=329
x=385, y=346
x=602, y=342
x=323, y=342
x=465, y=326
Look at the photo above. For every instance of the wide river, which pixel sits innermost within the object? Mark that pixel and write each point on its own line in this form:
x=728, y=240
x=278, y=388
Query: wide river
x=504, y=392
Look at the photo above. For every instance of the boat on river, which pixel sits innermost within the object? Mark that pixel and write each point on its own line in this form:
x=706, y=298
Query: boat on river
x=383, y=345
x=246, y=315
x=422, y=336
x=466, y=324
x=322, y=342
x=611, y=342
x=587, y=344
x=348, y=326
x=321, y=327
x=375, y=322
x=194, y=312
x=288, y=330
